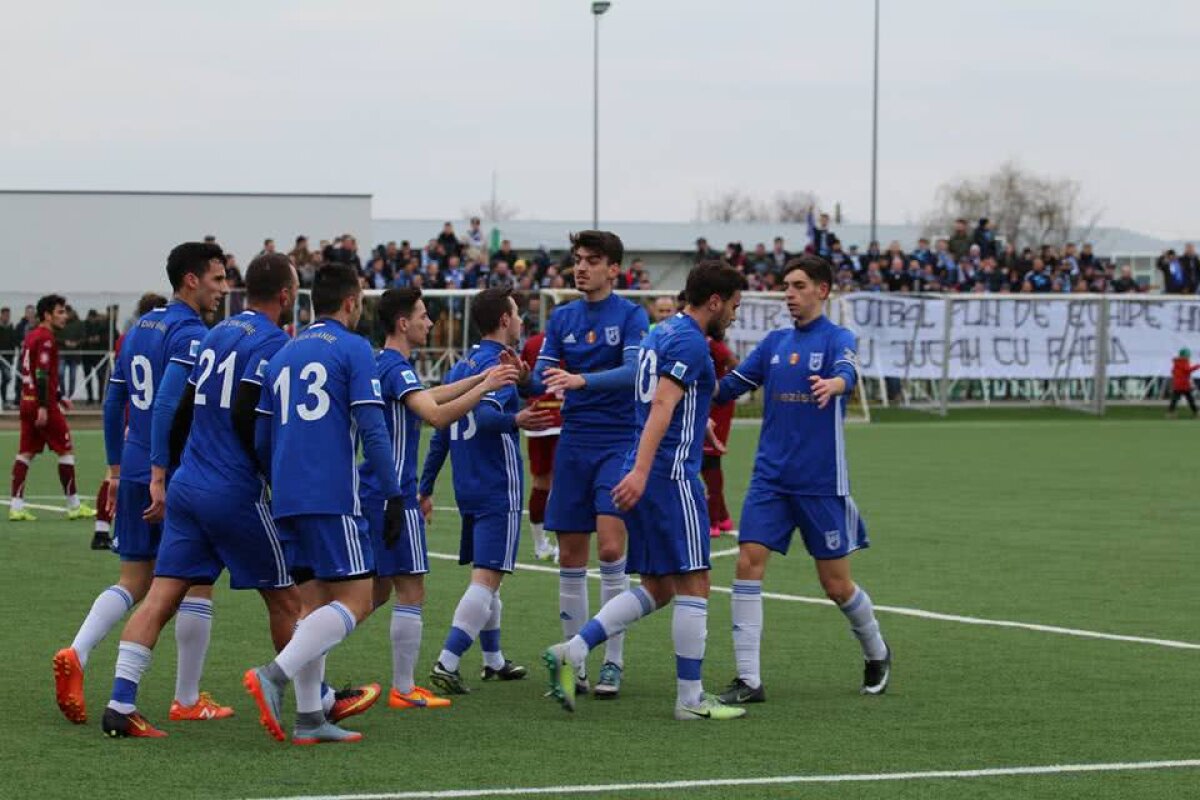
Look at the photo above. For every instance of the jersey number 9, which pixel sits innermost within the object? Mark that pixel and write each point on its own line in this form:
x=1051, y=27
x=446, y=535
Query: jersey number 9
x=316, y=399
x=141, y=375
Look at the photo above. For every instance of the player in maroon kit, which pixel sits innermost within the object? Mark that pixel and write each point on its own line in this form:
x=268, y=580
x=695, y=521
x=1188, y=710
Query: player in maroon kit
x=43, y=423
x=541, y=456
x=721, y=420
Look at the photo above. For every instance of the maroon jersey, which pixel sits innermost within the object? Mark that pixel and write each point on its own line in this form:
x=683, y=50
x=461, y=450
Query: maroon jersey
x=39, y=355
x=546, y=402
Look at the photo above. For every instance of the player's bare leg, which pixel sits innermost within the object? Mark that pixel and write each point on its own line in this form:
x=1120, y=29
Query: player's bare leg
x=747, y=614
x=406, y=629
x=611, y=537
x=855, y=603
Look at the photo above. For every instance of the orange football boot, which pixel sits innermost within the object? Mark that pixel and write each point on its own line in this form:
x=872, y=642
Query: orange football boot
x=68, y=685
x=352, y=701
x=419, y=697
x=203, y=709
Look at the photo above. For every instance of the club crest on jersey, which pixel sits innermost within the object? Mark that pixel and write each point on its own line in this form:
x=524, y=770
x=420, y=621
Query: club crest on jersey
x=794, y=359
x=678, y=370
x=376, y=388
x=612, y=335
x=590, y=338
x=833, y=539
x=815, y=360
x=194, y=348
x=409, y=376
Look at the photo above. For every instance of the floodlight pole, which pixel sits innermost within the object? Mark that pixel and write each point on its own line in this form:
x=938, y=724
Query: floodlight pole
x=875, y=127
x=598, y=9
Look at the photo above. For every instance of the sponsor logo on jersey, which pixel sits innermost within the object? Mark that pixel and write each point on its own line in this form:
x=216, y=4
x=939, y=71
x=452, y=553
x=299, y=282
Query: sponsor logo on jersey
x=815, y=360
x=612, y=335
x=409, y=376
x=678, y=370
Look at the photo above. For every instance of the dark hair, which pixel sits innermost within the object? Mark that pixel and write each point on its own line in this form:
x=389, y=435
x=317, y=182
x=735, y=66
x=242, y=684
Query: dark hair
x=47, y=304
x=266, y=276
x=396, y=304
x=148, y=302
x=331, y=285
x=488, y=307
x=712, y=277
x=191, y=258
x=816, y=268
x=606, y=243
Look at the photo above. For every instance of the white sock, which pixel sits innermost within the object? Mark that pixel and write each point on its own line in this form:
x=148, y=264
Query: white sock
x=861, y=613
x=406, y=645
x=612, y=620
x=747, y=612
x=102, y=526
x=613, y=581
x=72, y=501
x=309, y=687
x=17, y=504
x=489, y=636
x=112, y=604
x=133, y=660
x=539, y=535
x=689, y=629
x=193, y=629
x=328, y=695
x=572, y=599
x=469, y=617
x=319, y=632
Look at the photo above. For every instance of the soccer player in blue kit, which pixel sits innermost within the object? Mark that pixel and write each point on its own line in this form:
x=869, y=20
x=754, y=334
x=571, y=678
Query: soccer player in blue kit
x=489, y=477
x=597, y=339
x=217, y=513
x=800, y=477
x=321, y=398
x=402, y=564
x=149, y=376
x=662, y=496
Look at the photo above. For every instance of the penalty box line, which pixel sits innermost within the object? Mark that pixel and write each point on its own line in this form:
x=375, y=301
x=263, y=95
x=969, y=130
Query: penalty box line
x=781, y=780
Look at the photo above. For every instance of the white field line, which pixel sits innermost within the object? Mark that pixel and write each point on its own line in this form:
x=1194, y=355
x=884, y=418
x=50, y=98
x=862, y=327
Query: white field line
x=916, y=612
x=781, y=780
x=900, y=610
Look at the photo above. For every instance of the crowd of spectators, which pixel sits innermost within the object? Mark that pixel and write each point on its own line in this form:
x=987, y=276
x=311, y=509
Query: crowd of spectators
x=967, y=261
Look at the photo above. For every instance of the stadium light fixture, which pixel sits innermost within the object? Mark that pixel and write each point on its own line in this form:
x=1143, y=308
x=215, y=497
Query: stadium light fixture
x=598, y=9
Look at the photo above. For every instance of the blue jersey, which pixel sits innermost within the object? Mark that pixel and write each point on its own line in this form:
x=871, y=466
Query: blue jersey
x=676, y=350
x=169, y=334
x=488, y=471
x=801, y=449
x=592, y=337
x=236, y=350
x=397, y=379
x=309, y=388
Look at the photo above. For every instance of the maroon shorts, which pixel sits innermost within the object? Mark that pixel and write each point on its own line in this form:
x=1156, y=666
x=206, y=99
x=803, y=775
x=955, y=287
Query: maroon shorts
x=541, y=454
x=55, y=435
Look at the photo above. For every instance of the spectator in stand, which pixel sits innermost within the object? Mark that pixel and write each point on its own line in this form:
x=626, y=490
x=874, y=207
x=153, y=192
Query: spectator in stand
x=1191, y=266
x=873, y=253
x=95, y=343
x=501, y=276
x=758, y=261
x=874, y=279
x=855, y=261
x=779, y=254
x=70, y=340
x=505, y=255
x=268, y=247
x=1124, y=284
x=1181, y=381
x=454, y=273
x=735, y=256
x=960, y=240
x=378, y=278
x=637, y=269
x=922, y=254
x=233, y=275
x=1008, y=258
x=474, y=236
x=1038, y=279
x=945, y=264
x=703, y=252
x=1086, y=257
x=820, y=238
x=391, y=258
x=1175, y=278
x=1069, y=263
x=300, y=254
x=449, y=241
x=663, y=309
x=8, y=356
x=306, y=273
x=985, y=237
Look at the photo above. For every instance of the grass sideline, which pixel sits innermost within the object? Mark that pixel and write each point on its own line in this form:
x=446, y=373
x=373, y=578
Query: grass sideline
x=1079, y=526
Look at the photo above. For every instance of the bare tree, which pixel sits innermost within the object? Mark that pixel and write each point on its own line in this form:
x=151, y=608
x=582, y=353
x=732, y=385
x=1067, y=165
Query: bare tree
x=493, y=210
x=1025, y=209
x=793, y=206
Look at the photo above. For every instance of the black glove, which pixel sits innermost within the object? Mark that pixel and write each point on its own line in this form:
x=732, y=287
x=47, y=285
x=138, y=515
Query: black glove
x=393, y=521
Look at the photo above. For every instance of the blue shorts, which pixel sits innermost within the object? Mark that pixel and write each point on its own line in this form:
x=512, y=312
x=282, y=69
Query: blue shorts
x=830, y=525
x=134, y=539
x=335, y=547
x=205, y=532
x=668, y=528
x=409, y=555
x=585, y=474
x=490, y=540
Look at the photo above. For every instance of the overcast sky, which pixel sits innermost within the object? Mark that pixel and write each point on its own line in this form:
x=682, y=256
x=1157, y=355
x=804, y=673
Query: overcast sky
x=417, y=102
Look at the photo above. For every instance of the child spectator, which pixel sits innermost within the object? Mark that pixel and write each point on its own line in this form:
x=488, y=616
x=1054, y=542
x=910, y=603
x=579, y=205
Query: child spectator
x=1181, y=381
